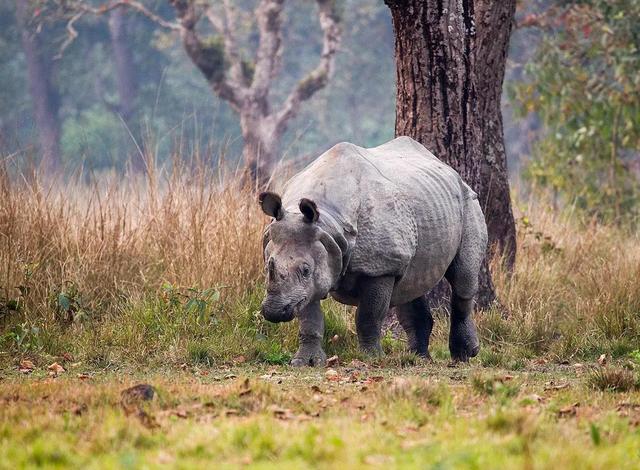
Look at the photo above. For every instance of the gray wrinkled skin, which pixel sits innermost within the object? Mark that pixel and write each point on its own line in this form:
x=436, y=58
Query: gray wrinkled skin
x=376, y=228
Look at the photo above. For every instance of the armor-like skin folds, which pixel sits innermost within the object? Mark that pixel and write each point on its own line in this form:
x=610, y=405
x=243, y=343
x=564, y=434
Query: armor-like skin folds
x=375, y=228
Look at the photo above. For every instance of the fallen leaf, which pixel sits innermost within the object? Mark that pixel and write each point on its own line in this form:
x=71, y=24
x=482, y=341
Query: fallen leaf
x=356, y=364
x=83, y=376
x=333, y=361
x=553, y=386
x=334, y=338
x=239, y=359
x=55, y=369
x=374, y=378
x=602, y=360
x=67, y=357
x=567, y=411
x=280, y=413
x=181, y=414
x=332, y=374
x=26, y=366
x=184, y=366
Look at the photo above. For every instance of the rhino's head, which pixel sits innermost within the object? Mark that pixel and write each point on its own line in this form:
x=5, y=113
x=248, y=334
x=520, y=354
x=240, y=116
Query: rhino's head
x=302, y=260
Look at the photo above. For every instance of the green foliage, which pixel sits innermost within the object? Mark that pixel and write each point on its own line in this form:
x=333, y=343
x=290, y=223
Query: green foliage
x=94, y=137
x=584, y=83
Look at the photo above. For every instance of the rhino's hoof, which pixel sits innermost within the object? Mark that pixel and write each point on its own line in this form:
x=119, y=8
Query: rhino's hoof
x=310, y=360
x=372, y=349
x=465, y=354
x=463, y=350
x=463, y=342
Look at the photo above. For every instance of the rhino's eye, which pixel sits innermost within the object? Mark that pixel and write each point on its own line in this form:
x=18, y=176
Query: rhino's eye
x=306, y=270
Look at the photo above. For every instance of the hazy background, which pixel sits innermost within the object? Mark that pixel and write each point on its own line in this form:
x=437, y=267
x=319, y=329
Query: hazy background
x=174, y=107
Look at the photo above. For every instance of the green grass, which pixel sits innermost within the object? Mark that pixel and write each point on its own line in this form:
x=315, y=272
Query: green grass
x=428, y=415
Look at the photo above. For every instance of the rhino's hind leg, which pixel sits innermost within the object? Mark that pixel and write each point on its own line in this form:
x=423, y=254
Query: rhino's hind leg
x=374, y=295
x=416, y=320
x=462, y=274
x=310, y=351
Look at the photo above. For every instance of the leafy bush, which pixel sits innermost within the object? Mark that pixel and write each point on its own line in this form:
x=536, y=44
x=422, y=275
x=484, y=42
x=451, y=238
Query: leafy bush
x=583, y=84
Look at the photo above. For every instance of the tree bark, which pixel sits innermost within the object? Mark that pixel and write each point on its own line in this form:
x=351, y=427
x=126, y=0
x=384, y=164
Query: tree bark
x=126, y=83
x=43, y=94
x=123, y=61
x=450, y=64
x=259, y=150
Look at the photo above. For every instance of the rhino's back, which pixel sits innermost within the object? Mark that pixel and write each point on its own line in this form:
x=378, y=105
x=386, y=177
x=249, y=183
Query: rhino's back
x=405, y=204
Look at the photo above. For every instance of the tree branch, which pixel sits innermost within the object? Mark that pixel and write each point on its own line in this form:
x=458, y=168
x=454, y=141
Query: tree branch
x=317, y=78
x=226, y=26
x=81, y=8
x=72, y=34
x=268, y=15
x=208, y=55
x=134, y=5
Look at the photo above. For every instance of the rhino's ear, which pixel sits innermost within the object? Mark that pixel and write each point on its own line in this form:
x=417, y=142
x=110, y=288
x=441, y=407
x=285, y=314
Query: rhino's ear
x=309, y=210
x=271, y=204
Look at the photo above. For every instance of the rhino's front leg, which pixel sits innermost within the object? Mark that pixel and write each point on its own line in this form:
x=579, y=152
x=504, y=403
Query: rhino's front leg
x=310, y=351
x=374, y=295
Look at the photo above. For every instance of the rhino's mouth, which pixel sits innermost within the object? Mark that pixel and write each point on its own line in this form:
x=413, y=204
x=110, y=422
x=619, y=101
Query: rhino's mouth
x=288, y=313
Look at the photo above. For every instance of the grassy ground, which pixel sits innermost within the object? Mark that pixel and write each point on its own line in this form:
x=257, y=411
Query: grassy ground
x=159, y=282
x=355, y=415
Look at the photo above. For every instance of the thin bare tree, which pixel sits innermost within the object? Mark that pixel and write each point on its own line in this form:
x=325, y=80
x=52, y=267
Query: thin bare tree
x=44, y=96
x=245, y=83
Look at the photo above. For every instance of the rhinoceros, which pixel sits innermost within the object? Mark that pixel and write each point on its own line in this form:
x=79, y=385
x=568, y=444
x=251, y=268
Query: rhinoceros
x=374, y=228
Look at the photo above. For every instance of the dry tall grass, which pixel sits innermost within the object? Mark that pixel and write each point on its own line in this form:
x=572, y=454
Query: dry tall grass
x=575, y=289
x=117, y=240
x=109, y=248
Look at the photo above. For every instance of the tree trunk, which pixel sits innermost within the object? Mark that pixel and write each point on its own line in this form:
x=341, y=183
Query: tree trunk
x=260, y=137
x=123, y=61
x=450, y=63
x=43, y=95
x=126, y=85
